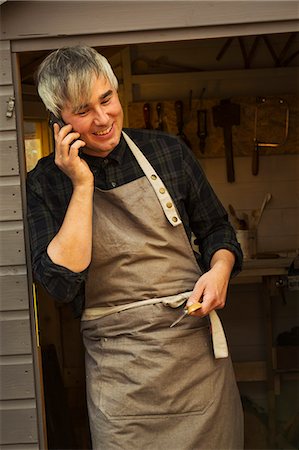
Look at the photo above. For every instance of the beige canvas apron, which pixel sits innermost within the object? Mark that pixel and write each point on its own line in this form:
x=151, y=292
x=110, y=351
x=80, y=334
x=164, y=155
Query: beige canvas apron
x=150, y=386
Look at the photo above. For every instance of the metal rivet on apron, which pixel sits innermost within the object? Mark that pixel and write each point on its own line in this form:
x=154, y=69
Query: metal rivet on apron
x=175, y=219
x=169, y=205
x=153, y=177
x=162, y=190
x=113, y=183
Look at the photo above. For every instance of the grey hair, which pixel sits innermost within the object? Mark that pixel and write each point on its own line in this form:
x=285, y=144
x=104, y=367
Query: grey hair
x=66, y=75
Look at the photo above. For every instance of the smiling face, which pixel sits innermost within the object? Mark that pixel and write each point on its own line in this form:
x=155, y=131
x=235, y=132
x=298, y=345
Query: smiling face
x=99, y=121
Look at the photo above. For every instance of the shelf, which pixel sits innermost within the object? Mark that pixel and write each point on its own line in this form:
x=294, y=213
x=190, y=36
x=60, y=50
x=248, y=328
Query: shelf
x=250, y=371
x=253, y=371
x=190, y=77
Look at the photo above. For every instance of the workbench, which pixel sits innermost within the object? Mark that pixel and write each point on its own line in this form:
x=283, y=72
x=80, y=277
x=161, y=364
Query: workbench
x=254, y=270
x=272, y=274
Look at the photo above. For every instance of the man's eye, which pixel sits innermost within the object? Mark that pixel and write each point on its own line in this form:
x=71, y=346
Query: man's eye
x=106, y=100
x=82, y=113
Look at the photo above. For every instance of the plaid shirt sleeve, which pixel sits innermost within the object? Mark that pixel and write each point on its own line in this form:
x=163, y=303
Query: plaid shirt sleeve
x=44, y=222
x=200, y=209
x=207, y=217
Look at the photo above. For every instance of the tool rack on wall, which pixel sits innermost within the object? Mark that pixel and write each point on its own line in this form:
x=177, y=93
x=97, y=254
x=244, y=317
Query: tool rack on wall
x=267, y=124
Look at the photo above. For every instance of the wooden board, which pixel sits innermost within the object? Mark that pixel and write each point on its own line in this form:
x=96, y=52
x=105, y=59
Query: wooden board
x=250, y=371
x=40, y=19
x=5, y=72
x=8, y=154
x=10, y=201
x=12, y=244
x=15, y=334
x=16, y=381
x=24, y=447
x=14, y=291
x=18, y=425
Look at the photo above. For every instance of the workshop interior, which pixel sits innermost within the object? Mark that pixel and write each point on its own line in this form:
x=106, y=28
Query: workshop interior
x=244, y=132
x=234, y=102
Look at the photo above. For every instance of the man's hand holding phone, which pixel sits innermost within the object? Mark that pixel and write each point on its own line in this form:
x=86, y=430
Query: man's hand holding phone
x=67, y=154
x=61, y=249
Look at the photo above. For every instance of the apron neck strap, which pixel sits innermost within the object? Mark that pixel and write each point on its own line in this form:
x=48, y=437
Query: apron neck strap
x=157, y=184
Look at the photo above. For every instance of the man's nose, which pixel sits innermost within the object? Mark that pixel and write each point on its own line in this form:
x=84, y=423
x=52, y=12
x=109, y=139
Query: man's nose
x=100, y=116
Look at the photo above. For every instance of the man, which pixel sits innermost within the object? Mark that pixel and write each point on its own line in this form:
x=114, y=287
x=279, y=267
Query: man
x=111, y=216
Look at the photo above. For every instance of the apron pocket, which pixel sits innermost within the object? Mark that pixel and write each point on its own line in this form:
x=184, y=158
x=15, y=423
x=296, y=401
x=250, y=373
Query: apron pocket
x=173, y=375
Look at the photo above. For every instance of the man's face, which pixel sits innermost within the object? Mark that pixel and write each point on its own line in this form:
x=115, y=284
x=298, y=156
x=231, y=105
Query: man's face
x=100, y=121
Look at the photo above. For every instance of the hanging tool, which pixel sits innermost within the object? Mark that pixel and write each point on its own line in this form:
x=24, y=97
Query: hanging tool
x=202, y=132
x=180, y=122
x=160, y=125
x=226, y=115
x=264, y=109
x=187, y=311
x=147, y=116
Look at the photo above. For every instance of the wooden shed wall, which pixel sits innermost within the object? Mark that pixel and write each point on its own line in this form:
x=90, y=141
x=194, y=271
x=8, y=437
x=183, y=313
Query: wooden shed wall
x=18, y=413
x=52, y=24
x=115, y=17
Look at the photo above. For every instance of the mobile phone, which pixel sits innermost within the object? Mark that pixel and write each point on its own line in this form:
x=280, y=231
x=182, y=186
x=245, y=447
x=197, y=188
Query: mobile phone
x=53, y=119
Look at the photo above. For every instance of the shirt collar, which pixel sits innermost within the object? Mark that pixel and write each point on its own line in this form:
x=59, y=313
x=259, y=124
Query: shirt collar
x=116, y=155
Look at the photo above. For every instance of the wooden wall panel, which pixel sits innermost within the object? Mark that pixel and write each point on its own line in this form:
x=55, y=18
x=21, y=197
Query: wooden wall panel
x=16, y=381
x=17, y=447
x=10, y=201
x=14, y=291
x=15, y=335
x=9, y=164
x=18, y=426
x=40, y=19
x=12, y=244
x=5, y=63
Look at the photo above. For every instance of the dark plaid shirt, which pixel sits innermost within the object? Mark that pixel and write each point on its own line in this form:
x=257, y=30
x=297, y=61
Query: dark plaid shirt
x=49, y=192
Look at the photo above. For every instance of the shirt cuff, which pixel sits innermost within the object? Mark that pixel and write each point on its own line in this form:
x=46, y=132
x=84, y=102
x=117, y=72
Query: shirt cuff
x=234, y=248
x=60, y=282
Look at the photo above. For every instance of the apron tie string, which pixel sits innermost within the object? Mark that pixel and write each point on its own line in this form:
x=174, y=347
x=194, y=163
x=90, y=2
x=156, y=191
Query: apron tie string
x=174, y=301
